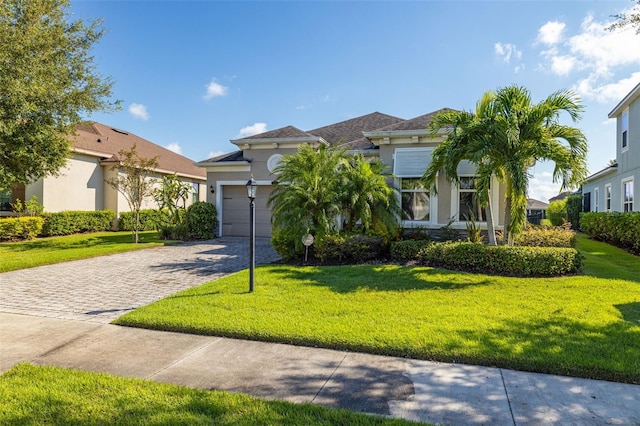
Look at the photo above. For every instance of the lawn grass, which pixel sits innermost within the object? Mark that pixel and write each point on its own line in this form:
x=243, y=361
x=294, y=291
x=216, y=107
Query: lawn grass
x=584, y=325
x=45, y=251
x=33, y=395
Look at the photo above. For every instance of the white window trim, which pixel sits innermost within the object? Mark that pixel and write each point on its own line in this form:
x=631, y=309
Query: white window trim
x=455, y=201
x=596, y=195
x=633, y=201
x=625, y=112
x=433, y=204
x=219, y=197
x=607, y=187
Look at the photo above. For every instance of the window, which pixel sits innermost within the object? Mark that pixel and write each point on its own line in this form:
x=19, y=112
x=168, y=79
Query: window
x=5, y=200
x=627, y=195
x=415, y=200
x=596, y=195
x=625, y=129
x=468, y=207
x=607, y=197
x=196, y=192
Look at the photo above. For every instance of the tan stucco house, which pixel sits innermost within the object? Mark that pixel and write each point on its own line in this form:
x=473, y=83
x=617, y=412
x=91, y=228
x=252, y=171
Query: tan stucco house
x=405, y=145
x=81, y=185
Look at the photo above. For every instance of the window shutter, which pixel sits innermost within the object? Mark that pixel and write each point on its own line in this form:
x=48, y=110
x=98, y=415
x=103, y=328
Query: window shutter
x=411, y=162
x=466, y=167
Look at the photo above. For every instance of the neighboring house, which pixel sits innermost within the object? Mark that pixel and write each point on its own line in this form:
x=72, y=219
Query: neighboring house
x=405, y=145
x=616, y=188
x=536, y=211
x=561, y=196
x=81, y=184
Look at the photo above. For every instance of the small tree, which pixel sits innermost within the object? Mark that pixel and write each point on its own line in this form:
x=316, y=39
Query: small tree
x=557, y=212
x=171, y=198
x=630, y=19
x=133, y=182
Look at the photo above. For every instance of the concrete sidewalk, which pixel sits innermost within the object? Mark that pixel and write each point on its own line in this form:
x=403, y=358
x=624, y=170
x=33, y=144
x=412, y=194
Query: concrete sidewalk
x=411, y=389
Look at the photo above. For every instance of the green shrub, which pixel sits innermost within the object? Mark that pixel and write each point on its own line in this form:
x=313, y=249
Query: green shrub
x=557, y=212
x=287, y=244
x=503, y=260
x=202, y=220
x=350, y=248
x=619, y=229
x=76, y=222
x=545, y=222
x=408, y=249
x=546, y=236
x=574, y=208
x=20, y=228
x=149, y=220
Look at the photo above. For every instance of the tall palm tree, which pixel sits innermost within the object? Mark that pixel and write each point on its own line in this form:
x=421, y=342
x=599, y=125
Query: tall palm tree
x=507, y=136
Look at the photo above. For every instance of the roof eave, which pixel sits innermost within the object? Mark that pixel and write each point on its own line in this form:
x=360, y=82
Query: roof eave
x=626, y=101
x=601, y=173
x=389, y=133
x=305, y=139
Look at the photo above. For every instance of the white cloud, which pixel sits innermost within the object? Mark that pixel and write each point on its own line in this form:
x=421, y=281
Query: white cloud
x=541, y=186
x=551, y=32
x=175, y=147
x=254, y=129
x=562, y=65
x=215, y=89
x=139, y=111
x=507, y=51
x=213, y=154
x=590, y=87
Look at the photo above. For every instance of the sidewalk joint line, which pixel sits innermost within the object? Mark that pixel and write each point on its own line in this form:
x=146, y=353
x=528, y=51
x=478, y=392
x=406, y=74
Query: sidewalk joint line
x=330, y=377
x=506, y=392
x=176, y=361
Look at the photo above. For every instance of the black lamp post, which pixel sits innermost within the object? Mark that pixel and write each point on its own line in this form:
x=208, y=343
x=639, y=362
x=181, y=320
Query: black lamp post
x=252, y=188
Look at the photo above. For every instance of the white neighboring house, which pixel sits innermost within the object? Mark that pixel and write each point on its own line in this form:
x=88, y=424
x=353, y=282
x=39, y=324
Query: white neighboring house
x=616, y=188
x=81, y=184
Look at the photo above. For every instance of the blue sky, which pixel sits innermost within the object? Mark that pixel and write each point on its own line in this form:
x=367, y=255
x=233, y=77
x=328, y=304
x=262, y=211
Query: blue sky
x=193, y=75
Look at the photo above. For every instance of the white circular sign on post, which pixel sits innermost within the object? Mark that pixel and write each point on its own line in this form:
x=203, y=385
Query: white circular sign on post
x=307, y=240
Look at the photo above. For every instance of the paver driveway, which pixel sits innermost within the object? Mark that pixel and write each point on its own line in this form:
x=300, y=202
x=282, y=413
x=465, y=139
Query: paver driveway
x=101, y=289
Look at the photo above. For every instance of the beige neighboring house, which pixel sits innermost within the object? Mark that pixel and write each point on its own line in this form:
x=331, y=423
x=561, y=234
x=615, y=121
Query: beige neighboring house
x=404, y=145
x=81, y=185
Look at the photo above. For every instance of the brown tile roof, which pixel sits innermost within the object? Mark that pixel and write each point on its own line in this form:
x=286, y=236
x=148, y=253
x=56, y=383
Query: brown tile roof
x=417, y=123
x=362, y=143
x=351, y=130
x=108, y=141
x=283, y=132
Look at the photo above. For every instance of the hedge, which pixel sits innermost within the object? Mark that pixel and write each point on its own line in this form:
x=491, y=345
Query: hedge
x=546, y=236
x=75, y=222
x=149, y=220
x=20, y=228
x=619, y=229
x=202, y=220
x=408, y=249
x=502, y=260
x=350, y=248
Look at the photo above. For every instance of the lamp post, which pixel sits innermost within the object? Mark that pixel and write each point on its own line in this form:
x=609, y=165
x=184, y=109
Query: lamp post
x=252, y=187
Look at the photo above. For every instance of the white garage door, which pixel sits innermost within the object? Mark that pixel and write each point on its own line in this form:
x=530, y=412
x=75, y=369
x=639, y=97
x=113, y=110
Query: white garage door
x=235, y=211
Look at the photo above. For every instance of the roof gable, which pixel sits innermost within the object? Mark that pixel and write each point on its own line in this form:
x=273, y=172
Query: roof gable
x=281, y=133
x=421, y=122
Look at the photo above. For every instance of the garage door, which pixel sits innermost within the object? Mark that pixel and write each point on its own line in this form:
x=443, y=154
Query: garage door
x=235, y=211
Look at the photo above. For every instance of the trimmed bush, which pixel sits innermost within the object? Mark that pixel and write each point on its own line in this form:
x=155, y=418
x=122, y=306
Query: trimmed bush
x=546, y=236
x=557, y=212
x=408, y=249
x=149, y=220
x=20, y=228
x=76, y=222
x=619, y=229
x=286, y=244
x=202, y=219
x=502, y=260
x=350, y=248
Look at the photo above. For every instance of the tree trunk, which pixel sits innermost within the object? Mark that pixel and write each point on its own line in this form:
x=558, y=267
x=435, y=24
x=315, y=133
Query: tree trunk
x=137, y=226
x=490, y=228
x=507, y=221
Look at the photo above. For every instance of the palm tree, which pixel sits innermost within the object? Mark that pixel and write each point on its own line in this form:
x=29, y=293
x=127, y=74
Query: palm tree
x=366, y=196
x=506, y=136
x=306, y=198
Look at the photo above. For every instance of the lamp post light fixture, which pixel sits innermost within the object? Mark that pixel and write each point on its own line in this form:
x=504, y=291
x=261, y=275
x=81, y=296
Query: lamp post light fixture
x=252, y=188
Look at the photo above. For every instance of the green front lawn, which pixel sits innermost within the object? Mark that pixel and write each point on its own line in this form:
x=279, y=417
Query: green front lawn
x=45, y=251
x=586, y=325
x=55, y=396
